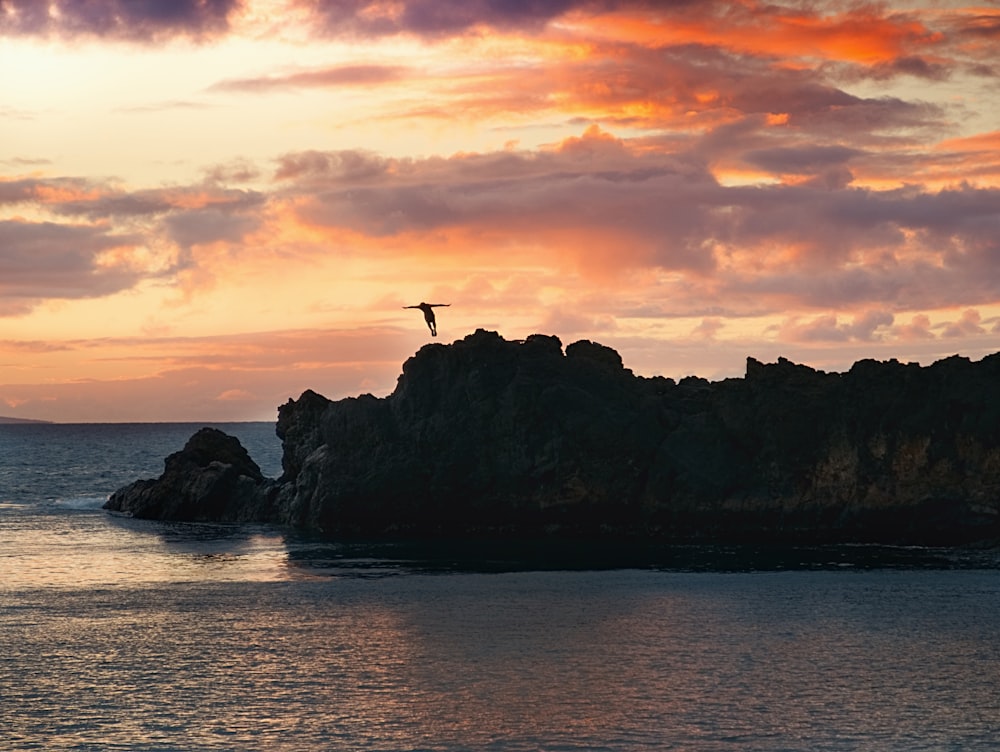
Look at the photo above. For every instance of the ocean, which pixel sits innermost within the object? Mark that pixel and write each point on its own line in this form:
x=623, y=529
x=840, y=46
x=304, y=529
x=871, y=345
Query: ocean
x=121, y=634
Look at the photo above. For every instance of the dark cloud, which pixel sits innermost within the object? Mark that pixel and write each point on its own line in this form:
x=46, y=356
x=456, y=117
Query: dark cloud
x=60, y=259
x=862, y=121
x=372, y=18
x=120, y=205
x=916, y=66
x=435, y=18
x=919, y=248
x=954, y=229
x=912, y=65
x=48, y=260
x=209, y=225
x=801, y=160
x=134, y=20
x=348, y=165
x=964, y=219
x=345, y=75
x=75, y=196
x=793, y=94
x=906, y=247
x=984, y=25
x=190, y=216
x=588, y=185
x=17, y=191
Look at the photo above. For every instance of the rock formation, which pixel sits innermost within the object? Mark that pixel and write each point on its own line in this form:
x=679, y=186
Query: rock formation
x=211, y=478
x=488, y=436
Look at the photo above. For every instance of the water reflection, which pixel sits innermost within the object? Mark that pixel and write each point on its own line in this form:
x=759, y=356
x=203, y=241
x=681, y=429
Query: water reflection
x=384, y=557
x=227, y=637
x=68, y=547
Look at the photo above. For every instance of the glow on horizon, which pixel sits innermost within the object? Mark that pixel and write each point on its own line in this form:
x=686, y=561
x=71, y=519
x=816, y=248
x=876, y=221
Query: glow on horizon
x=204, y=213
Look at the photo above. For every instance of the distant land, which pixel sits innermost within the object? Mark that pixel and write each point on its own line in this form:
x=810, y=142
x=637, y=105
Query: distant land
x=6, y=420
x=498, y=438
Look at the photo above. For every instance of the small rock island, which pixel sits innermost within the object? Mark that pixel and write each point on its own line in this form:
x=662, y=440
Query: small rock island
x=487, y=436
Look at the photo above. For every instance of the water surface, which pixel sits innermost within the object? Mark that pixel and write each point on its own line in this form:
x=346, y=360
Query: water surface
x=121, y=634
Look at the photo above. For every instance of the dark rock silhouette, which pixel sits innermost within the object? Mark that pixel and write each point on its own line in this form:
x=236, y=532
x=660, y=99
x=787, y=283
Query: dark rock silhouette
x=211, y=478
x=488, y=436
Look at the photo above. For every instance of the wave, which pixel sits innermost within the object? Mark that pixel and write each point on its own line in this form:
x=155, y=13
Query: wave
x=81, y=502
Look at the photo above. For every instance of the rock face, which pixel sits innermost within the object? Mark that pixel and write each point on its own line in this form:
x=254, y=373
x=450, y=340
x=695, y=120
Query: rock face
x=487, y=436
x=211, y=479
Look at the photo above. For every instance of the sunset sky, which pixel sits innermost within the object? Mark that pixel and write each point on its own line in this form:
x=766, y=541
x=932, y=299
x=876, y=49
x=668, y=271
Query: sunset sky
x=209, y=206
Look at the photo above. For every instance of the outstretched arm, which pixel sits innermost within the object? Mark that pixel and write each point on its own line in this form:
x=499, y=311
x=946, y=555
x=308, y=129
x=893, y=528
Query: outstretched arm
x=439, y=305
x=411, y=306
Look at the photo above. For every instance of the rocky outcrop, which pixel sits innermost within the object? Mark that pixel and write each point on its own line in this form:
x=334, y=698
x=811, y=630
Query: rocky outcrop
x=211, y=479
x=481, y=435
x=488, y=436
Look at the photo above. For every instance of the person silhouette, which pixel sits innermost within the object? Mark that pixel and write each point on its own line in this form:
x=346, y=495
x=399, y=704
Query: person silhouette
x=428, y=309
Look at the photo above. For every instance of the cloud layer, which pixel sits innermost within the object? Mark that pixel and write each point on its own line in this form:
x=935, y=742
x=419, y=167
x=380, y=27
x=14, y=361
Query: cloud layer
x=719, y=177
x=137, y=20
x=814, y=243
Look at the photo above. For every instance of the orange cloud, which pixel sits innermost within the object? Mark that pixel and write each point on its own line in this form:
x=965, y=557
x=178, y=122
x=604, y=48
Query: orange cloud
x=919, y=328
x=969, y=159
x=981, y=143
x=861, y=35
x=864, y=34
x=65, y=192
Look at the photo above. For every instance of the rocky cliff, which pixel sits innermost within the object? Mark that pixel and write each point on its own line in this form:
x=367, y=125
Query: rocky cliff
x=488, y=436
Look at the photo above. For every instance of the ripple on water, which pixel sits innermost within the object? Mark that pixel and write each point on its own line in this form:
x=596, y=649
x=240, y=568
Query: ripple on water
x=615, y=659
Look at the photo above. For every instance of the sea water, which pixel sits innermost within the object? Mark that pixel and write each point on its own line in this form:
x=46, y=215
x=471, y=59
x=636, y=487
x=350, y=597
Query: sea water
x=121, y=634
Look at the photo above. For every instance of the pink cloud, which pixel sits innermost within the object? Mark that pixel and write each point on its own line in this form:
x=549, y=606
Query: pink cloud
x=967, y=324
x=324, y=78
x=708, y=328
x=865, y=327
x=919, y=328
x=235, y=395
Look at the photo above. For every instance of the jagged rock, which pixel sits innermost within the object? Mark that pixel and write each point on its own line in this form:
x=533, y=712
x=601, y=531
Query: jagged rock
x=491, y=436
x=480, y=435
x=211, y=478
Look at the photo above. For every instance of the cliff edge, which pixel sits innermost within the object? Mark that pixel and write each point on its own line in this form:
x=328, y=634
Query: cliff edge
x=489, y=436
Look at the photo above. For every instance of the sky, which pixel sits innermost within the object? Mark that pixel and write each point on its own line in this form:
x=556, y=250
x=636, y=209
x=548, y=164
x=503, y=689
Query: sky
x=210, y=206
